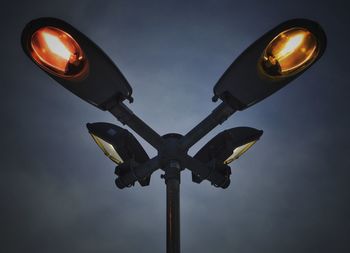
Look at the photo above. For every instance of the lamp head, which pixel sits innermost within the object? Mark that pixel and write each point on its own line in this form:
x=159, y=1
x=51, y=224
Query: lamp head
x=271, y=62
x=120, y=146
x=224, y=148
x=74, y=61
x=117, y=143
x=229, y=145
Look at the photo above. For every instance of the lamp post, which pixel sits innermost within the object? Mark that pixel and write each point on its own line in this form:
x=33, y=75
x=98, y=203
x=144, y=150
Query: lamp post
x=270, y=63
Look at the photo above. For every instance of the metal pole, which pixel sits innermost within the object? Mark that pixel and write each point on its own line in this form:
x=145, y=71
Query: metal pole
x=172, y=181
x=221, y=113
x=127, y=117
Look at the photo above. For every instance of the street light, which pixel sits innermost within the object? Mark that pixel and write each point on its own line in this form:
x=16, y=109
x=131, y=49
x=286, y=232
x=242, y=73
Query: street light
x=229, y=145
x=226, y=147
x=119, y=145
x=270, y=63
x=274, y=60
x=74, y=61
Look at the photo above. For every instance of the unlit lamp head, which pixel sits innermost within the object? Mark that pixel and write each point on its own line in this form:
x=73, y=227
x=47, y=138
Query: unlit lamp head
x=117, y=143
x=226, y=147
x=229, y=145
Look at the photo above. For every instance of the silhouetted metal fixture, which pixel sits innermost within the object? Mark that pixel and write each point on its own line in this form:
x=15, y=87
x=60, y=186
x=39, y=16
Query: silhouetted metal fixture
x=270, y=63
x=121, y=147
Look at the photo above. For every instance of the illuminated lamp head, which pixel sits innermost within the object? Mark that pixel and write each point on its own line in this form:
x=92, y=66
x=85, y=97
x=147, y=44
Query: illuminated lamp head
x=270, y=63
x=74, y=61
x=57, y=52
x=290, y=52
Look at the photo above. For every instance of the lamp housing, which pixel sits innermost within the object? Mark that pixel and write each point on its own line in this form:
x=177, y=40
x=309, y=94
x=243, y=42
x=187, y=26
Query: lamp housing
x=74, y=61
x=226, y=147
x=271, y=62
x=120, y=146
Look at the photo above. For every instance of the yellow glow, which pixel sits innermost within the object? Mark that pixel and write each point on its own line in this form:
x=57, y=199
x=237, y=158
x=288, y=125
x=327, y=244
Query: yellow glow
x=108, y=149
x=291, y=45
x=57, y=52
x=289, y=52
x=56, y=46
x=237, y=152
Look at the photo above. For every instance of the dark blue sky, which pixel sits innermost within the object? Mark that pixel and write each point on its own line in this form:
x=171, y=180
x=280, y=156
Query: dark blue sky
x=289, y=193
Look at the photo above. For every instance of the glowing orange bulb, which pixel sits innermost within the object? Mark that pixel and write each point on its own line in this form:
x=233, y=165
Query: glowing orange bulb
x=57, y=52
x=290, y=52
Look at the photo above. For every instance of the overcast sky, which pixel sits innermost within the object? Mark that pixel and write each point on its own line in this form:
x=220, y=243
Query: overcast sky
x=289, y=193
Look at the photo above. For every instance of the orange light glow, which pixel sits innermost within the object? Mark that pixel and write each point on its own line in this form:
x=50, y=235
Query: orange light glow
x=290, y=52
x=58, y=52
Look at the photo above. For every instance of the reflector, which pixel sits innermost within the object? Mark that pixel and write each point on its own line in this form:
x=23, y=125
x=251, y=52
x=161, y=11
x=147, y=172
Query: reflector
x=237, y=152
x=289, y=52
x=58, y=52
x=108, y=149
